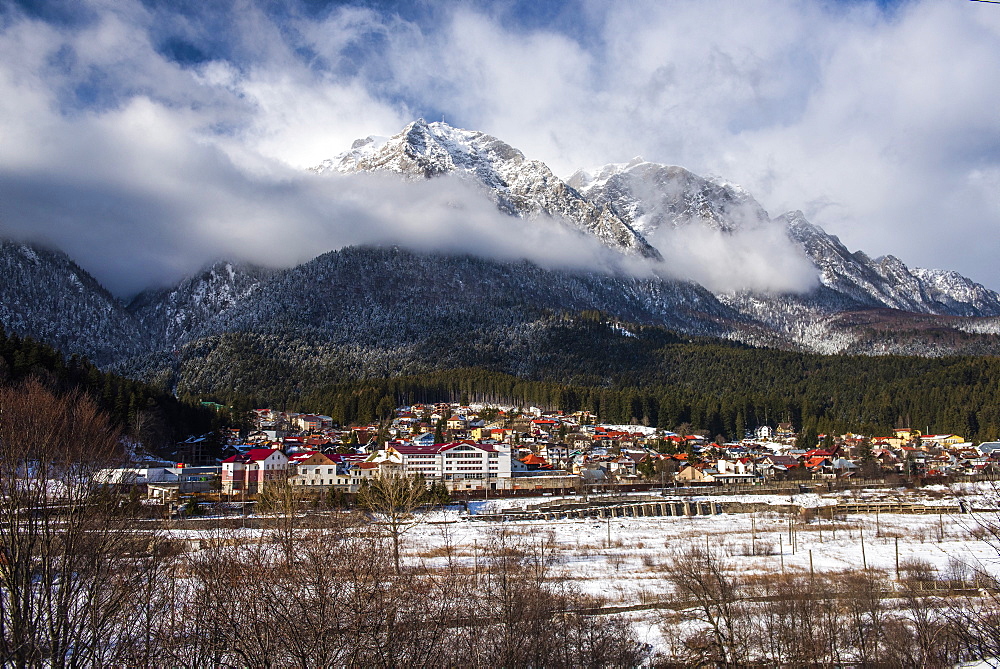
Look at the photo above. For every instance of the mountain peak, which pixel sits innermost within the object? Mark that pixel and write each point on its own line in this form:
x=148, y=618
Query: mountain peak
x=650, y=196
x=518, y=186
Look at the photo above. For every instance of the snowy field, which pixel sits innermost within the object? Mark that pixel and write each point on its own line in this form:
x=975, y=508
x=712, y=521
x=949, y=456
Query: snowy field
x=625, y=560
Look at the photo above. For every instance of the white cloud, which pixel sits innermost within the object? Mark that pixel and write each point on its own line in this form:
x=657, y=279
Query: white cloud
x=758, y=259
x=879, y=124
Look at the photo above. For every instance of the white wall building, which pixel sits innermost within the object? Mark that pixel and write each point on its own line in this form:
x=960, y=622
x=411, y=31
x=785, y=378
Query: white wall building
x=462, y=465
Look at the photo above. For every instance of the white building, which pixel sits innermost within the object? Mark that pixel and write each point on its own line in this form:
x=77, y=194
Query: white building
x=250, y=471
x=462, y=465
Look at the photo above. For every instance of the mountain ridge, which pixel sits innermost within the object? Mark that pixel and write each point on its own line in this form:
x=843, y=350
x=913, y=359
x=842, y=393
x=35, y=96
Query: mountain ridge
x=389, y=309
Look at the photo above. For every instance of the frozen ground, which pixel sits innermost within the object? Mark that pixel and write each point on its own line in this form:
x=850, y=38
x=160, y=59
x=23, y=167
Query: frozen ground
x=625, y=560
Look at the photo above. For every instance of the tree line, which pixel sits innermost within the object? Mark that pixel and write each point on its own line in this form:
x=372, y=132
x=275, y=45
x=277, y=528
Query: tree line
x=719, y=390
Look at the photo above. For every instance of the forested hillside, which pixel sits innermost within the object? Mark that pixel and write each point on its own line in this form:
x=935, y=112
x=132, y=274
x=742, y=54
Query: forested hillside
x=139, y=409
x=625, y=373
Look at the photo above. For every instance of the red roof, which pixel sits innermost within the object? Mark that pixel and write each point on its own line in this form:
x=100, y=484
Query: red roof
x=302, y=456
x=533, y=459
x=483, y=447
x=416, y=449
x=818, y=452
x=253, y=455
x=347, y=457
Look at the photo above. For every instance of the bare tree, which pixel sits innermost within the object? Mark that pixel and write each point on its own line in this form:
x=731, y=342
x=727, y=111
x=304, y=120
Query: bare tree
x=281, y=503
x=70, y=560
x=394, y=501
x=700, y=577
x=977, y=619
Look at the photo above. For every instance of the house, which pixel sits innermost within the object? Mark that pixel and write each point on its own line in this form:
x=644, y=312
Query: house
x=306, y=458
x=320, y=472
x=556, y=452
x=735, y=471
x=248, y=472
x=943, y=439
x=777, y=466
x=309, y=422
x=164, y=483
x=592, y=473
x=533, y=462
x=819, y=465
x=622, y=466
x=468, y=465
x=546, y=425
x=696, y=474
x=425, y=439
x=843, y=467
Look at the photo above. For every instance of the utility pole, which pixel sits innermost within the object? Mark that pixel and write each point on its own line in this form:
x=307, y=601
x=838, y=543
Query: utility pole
x=897, y=558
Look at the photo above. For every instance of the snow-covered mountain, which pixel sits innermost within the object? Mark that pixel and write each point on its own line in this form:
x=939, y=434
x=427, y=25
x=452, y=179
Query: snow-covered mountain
x=382, y=311
x=518, y=186
x=626, y=205
x=957, y=293
x=171, y=315
x=649, y=196
x=47, y=296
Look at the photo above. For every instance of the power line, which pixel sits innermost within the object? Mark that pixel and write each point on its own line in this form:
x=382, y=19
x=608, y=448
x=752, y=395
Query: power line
x=991, y=2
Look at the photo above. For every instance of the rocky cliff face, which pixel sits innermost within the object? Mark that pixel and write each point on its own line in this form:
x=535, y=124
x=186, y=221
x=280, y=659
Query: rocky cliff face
x=627, y=205
x=650, y=196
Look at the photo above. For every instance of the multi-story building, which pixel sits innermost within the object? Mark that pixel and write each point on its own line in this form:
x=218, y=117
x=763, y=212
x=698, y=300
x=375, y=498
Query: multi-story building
x=249, y=471
x=462, y=465
x=317, y=471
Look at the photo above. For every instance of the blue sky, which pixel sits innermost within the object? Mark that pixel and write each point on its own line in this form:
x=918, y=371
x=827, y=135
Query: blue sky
x=148, y=138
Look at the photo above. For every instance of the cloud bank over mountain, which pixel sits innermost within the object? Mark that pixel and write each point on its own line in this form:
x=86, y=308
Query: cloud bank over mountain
x=147, y=138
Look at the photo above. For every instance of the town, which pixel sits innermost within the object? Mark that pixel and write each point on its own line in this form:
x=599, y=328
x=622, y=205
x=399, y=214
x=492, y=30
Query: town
x=475, y=451
x=661, y=534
